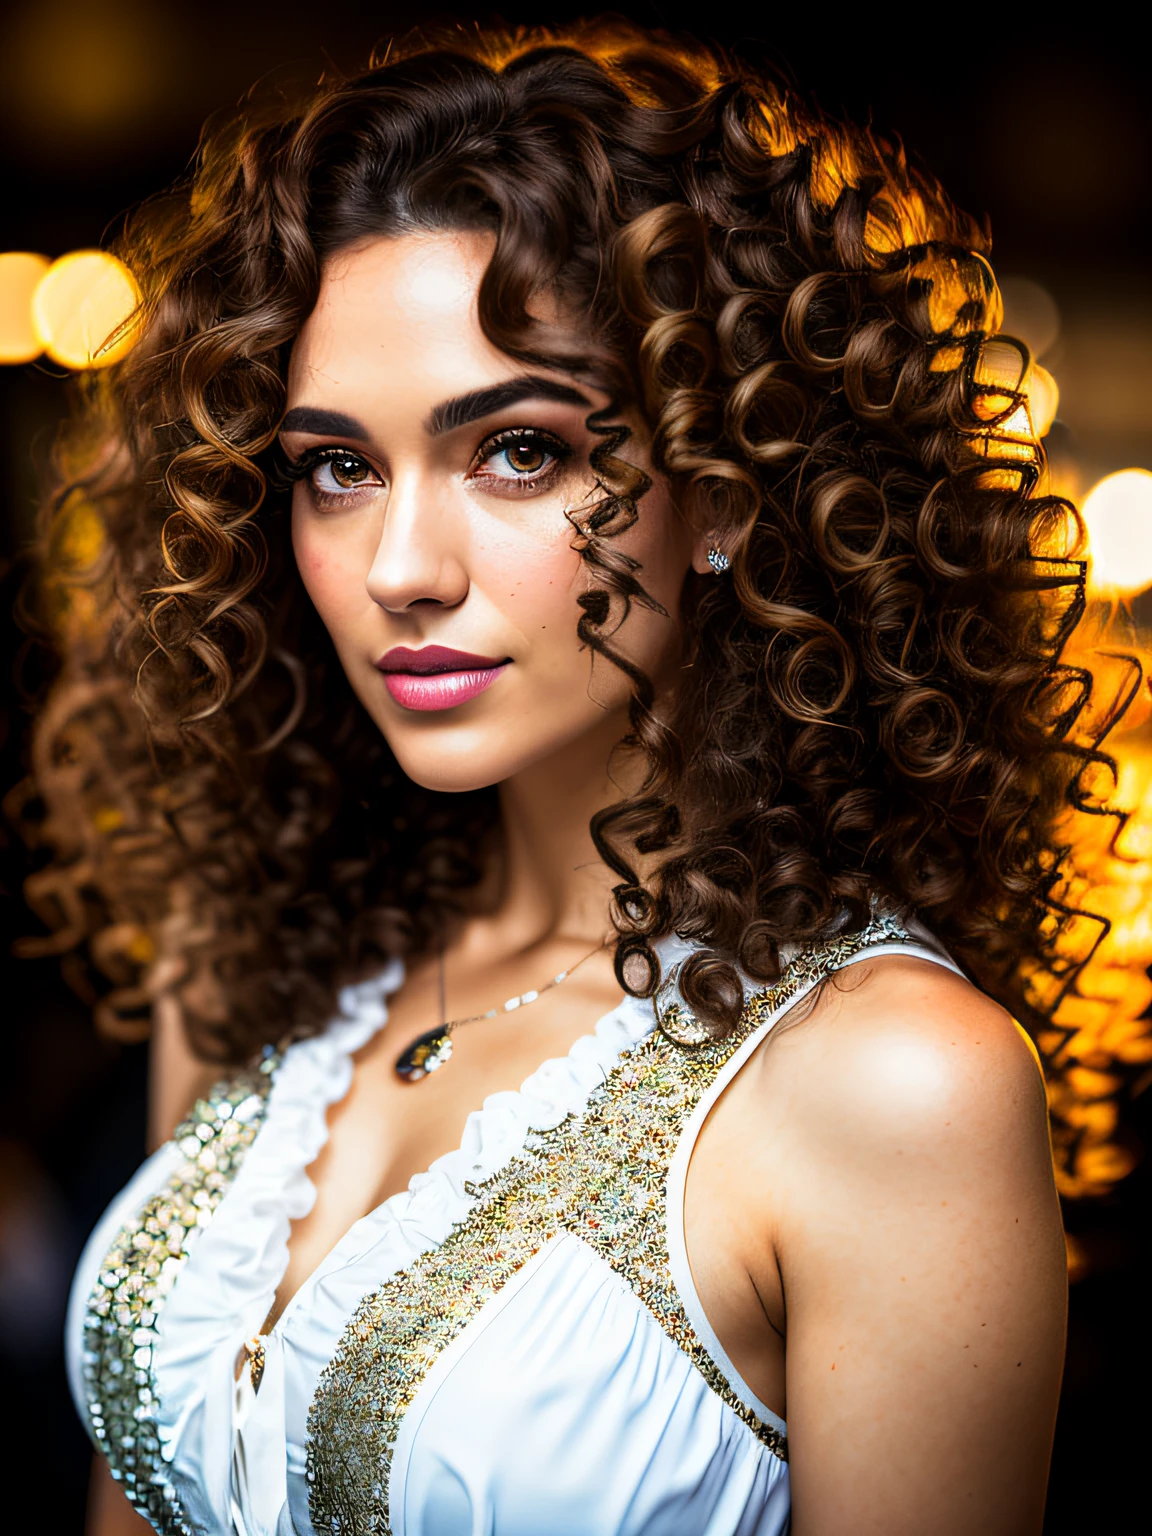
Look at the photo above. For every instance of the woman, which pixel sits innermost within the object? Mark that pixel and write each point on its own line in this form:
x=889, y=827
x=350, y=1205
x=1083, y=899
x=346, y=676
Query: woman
x=563, y=531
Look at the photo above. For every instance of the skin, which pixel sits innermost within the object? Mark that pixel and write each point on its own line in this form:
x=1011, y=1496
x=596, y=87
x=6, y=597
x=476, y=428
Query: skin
x=870, y=1212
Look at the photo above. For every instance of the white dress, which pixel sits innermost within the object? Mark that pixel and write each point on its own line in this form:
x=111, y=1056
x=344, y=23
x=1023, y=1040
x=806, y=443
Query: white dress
x=511, y=1347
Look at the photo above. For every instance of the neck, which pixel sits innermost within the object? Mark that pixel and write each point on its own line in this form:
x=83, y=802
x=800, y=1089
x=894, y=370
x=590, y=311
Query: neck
x=553, y=883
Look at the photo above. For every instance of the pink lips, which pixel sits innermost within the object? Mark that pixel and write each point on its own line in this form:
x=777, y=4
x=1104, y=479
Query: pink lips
x=436, y=677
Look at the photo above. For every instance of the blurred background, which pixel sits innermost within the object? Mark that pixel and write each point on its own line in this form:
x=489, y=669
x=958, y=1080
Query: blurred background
x=1043, y=128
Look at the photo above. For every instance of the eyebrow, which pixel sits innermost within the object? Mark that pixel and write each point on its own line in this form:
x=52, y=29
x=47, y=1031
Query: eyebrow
x=446, y=416
x=451, y=414
x=308, y=418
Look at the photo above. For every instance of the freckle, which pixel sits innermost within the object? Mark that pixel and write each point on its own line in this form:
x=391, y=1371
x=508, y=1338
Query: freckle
x=833, y=1365
x=902, y=1279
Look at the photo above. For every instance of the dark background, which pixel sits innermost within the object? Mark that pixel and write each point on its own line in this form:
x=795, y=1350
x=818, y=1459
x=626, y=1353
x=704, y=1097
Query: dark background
x=1041, y=125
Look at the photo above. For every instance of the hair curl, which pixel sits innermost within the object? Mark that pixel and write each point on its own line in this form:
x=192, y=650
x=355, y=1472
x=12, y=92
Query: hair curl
x=875, y=701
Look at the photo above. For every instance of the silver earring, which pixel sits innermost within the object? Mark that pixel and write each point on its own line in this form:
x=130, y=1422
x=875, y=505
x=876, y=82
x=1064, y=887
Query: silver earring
x=719, y=561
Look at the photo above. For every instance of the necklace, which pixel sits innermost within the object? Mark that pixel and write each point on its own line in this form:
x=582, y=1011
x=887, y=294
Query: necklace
x=432, y=1049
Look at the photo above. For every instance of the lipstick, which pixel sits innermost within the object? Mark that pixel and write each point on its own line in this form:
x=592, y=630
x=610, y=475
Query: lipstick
x=436, y=676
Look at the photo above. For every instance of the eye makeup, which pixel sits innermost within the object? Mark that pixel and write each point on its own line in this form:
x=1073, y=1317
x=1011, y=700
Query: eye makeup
x=336, y=476
x=518, y=461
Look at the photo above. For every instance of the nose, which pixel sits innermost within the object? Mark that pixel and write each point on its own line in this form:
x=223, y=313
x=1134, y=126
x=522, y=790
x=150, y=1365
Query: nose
x=420, y=556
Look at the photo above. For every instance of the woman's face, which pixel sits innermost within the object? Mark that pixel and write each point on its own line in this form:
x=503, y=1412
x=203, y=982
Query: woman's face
x=429, y=524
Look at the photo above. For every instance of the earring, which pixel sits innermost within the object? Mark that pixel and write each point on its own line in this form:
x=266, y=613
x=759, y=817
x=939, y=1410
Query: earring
x=719, y=561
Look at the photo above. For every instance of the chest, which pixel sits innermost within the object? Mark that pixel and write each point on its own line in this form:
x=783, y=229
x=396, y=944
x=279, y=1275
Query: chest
x=384, y=1131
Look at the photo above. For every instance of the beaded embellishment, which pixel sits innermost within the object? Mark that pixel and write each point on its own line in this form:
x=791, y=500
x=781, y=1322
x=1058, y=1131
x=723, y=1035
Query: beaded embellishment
x=136, y=1278
x=601, y=1175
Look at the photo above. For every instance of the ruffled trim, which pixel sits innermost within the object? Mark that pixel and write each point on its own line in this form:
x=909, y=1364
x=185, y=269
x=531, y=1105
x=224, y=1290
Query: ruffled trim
x=230, y=1279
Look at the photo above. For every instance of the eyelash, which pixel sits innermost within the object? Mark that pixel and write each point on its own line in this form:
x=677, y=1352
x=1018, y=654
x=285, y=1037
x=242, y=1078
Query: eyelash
x=555, y=447
x=309, y=461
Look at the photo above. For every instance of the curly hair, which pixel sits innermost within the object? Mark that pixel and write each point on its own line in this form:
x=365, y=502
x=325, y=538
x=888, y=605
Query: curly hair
x=875, y=703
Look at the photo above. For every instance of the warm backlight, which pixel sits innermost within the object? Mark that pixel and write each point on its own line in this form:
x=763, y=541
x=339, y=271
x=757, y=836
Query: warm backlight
x=80, y=309
x=1118, y=515
x=1043, y=399
x=20, y=273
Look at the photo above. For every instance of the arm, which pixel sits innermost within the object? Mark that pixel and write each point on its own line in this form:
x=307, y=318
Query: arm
x=176, y=1078
x=109, y=1512
x=919, y=1243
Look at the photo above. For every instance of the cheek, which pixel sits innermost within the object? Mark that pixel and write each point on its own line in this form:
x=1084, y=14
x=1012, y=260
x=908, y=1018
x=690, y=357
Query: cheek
x=532, y=583
x=309, y=555
x=332, y=574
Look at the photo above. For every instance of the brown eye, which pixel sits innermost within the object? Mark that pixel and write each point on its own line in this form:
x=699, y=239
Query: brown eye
x=525, y=456
x=348, y=470
x=520, y=460
x=336, y=472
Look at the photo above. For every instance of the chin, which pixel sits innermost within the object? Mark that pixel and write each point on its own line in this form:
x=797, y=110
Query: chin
x=456, y=758
x=457, y=767
x=450, y=778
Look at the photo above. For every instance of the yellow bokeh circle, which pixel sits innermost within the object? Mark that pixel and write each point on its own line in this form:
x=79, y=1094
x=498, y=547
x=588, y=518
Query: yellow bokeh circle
x=1117, y=513
x=81, y=307
x=1043, y=399
x=20, y=274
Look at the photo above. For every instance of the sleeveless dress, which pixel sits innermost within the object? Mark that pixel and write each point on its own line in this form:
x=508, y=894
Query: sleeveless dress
x=512, y=1346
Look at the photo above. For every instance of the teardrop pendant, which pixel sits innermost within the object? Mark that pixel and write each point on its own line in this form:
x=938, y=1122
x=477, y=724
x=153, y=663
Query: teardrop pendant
x=424, y=1055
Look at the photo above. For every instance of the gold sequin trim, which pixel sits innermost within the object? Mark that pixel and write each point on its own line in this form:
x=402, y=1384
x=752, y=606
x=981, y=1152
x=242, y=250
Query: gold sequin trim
x=137, y=1277
x=601, y=1175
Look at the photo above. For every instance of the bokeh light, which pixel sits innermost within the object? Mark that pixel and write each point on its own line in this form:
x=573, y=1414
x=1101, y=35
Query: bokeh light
x=1030, y=313
x=1117, y=513
x=80, y=74
x=1043, y=399
x=20, y=273
x=81, y=307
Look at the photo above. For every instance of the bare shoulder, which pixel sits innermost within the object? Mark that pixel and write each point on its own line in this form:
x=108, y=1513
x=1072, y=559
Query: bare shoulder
x=900, y=1216
x=901, y=1055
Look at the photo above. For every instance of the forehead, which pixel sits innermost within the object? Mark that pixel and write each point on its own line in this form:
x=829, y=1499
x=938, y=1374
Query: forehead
x=399, y=311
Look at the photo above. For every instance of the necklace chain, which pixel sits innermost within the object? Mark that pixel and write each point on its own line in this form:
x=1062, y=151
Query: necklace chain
x=433, y=1048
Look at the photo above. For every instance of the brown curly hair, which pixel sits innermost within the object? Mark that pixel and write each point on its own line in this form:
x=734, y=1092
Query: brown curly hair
x=875, y=702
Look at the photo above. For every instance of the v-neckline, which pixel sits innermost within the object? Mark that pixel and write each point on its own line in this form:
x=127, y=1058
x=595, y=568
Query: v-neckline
x=516, y=1100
